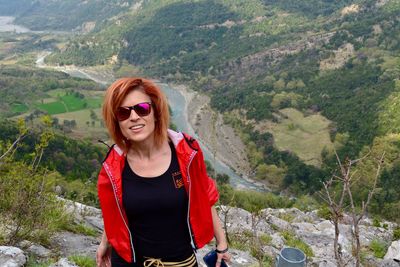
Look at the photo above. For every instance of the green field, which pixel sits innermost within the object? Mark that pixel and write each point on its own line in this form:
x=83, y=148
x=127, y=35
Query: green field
x=53, y=107
x=61, y=102
x=19, y=108
x=73, y=103
x=305, y=136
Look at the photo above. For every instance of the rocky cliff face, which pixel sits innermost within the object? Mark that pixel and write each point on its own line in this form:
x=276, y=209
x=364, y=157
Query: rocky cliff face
x=315, y=232
x=256, y=64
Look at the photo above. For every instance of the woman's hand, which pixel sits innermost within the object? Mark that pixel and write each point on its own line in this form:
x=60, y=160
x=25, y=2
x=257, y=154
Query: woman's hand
x=222, y=254
x=103, y=254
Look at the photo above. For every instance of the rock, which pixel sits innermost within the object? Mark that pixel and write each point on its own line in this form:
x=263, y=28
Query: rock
x=239, y=258
x=239, y=220
x=389, y=263
x=11, y=257
x=75, y=244
x=369, y=233
x=39, y=251
x=63, y=262
x=393, y=252
x=277, y=241
x=318, y=262
x=278, y=223
x=87, y=215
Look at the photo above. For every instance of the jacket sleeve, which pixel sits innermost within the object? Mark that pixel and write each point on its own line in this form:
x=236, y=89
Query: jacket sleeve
x=211, y=185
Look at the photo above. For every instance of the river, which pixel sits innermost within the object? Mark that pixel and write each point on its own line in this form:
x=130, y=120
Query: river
x=178, y=106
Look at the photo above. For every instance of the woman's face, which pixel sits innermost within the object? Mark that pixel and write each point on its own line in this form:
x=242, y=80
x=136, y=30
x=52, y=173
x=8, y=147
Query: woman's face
x=138, y=129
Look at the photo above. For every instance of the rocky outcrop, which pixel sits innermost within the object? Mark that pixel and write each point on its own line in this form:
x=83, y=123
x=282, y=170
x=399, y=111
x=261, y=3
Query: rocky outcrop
x=257, y=63
x=316, y=232
x=274, y=224
x=11, y=257
x=393, y=252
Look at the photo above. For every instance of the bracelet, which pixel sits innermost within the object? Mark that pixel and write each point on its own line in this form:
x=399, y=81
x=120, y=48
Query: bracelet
x=221, y=251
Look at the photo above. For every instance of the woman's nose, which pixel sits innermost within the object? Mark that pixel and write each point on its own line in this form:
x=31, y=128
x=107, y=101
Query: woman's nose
x=134, y=116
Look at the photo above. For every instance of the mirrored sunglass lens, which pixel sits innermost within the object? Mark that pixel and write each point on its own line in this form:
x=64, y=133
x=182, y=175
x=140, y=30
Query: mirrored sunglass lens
x=142, y=109
x=123, y=113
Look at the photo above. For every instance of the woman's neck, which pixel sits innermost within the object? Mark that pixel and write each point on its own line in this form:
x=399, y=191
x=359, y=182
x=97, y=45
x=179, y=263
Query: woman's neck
x=146, y=150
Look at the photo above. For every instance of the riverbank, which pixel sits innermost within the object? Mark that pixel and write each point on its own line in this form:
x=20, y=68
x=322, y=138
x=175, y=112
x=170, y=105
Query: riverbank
x=219, y=138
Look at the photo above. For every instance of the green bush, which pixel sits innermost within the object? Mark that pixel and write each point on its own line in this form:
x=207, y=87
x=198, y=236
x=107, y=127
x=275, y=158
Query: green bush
x=325, y=213
x=82, y=261
x=376, y=222
x=379, y=248
x=396, y=234
x=29, y=204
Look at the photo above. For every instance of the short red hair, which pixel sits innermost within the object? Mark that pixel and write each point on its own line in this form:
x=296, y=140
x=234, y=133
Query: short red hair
x=117, y=92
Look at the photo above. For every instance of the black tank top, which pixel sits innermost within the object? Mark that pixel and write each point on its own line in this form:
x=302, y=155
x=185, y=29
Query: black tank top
x=157, y=209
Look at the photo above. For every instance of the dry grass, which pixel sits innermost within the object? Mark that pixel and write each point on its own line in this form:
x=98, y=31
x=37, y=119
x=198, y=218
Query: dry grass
x=305, y=136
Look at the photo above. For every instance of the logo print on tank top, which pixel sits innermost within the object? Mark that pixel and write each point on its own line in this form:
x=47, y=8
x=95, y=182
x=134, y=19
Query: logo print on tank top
x=178, y=181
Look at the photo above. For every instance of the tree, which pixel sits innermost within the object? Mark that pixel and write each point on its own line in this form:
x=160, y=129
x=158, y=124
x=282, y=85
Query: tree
x=338, y=191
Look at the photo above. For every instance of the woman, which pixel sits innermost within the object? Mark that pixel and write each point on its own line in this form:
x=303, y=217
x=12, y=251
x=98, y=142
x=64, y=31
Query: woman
x=155, y=195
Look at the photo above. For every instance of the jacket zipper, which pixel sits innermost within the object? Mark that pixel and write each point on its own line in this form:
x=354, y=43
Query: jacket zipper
x=119, y=208
x=194, y=152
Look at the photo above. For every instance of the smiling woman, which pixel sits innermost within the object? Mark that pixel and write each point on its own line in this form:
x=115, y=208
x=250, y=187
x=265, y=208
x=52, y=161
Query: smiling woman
x=155, y=195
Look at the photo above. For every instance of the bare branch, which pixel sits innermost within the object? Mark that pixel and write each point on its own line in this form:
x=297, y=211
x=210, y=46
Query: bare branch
x=13, y=145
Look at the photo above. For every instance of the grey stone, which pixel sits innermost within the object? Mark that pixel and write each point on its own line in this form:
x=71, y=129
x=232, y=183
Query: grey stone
x=39, y=251
x=277, y=241
x=393, y=252
x=87, y=215
x=11, y=257
x=318, y=262
x=389, y=263
x=63, y=262
x=278, y=223
x=75, y=244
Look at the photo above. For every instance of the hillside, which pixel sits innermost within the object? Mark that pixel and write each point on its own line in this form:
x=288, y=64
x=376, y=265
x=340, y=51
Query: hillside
x=63, y=15
x=256, y=58
x=335, y=62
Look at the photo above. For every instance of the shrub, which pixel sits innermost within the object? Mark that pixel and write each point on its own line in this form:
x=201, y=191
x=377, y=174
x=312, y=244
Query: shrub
x=325, y=213
x=376, y=222
x=28, y=207
x=379, y=248
x=396, y=234
x=82, y=261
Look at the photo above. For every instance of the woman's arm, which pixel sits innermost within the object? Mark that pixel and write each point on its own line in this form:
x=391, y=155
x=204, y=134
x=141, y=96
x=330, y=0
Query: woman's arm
x=103, y=254
x=222, y=245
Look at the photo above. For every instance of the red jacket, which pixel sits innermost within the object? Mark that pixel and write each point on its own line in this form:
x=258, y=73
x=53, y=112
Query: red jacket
x=201, y=190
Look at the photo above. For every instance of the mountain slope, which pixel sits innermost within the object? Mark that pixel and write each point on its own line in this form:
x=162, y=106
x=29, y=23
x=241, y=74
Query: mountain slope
x=257, y=58
x=61, y=14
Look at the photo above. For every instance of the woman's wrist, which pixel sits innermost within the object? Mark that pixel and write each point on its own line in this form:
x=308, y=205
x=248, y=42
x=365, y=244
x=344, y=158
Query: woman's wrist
x=221, y=247
x=222, y=251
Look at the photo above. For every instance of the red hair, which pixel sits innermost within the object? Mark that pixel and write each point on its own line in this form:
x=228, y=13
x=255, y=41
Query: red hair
x=117, y=92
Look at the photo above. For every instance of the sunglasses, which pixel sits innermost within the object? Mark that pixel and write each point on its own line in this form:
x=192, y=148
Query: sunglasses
x=141, y=109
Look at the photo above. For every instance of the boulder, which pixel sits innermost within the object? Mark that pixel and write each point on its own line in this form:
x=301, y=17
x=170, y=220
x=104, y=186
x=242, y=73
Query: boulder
x=393, y=252
x=11, y=257
x=75, y=244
